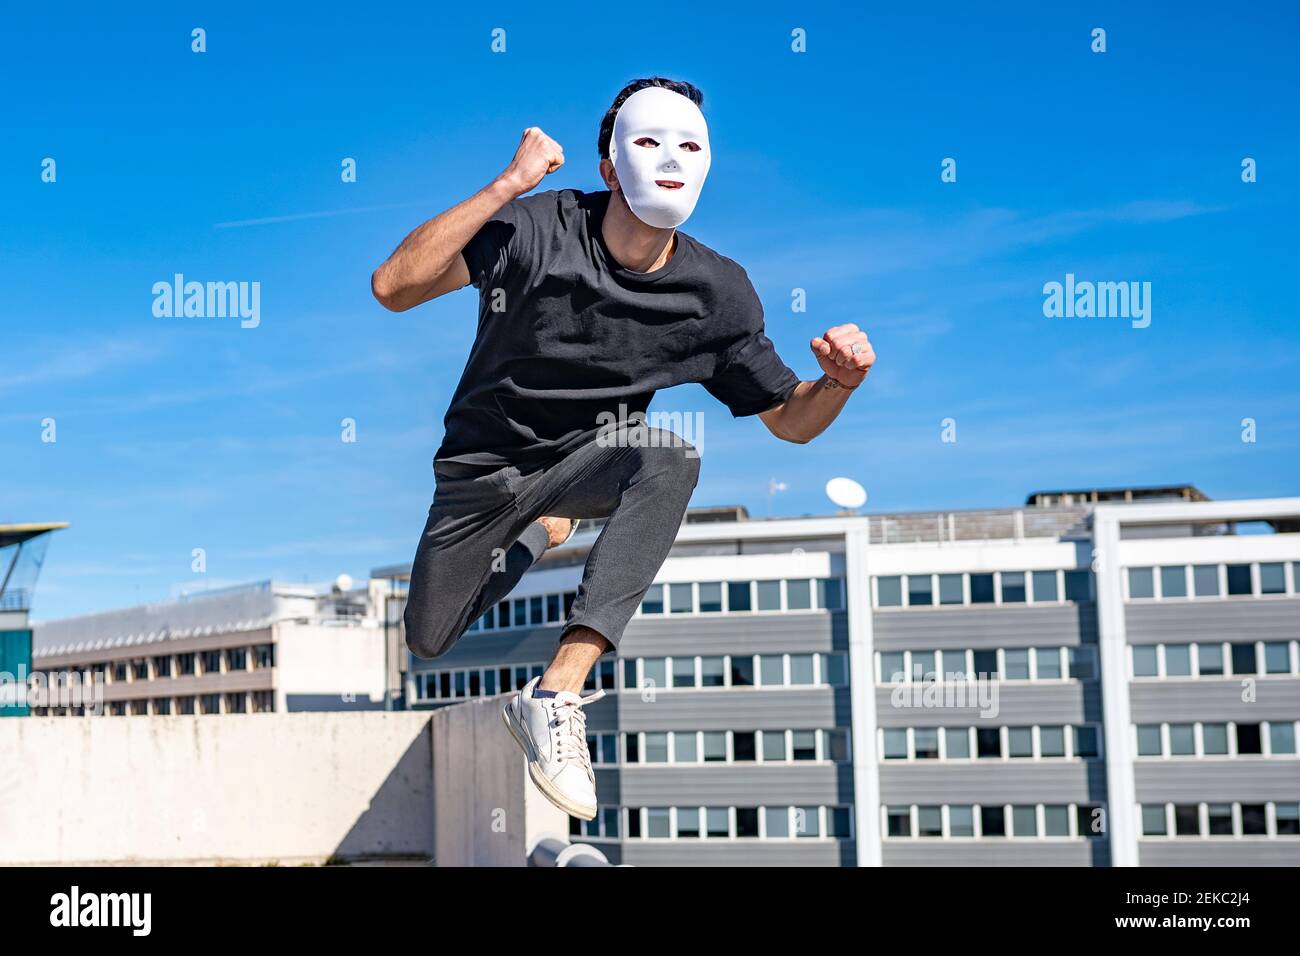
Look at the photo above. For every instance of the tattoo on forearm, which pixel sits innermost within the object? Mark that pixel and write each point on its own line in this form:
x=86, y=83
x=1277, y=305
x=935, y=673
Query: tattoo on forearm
x=830, y=383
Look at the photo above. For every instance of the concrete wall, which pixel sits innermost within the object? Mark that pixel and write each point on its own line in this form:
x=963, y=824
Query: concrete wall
x=236, y=787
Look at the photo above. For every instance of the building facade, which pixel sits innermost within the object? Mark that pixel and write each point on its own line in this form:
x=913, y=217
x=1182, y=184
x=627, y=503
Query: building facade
x=1083, y=681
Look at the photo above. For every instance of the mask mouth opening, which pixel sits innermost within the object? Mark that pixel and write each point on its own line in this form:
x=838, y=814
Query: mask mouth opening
x=669, y=183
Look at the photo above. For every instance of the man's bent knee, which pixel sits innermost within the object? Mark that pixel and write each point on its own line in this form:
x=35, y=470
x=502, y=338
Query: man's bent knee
x=425, y=638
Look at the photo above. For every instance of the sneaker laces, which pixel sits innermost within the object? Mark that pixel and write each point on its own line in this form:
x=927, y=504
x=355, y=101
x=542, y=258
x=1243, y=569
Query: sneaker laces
x=569, y=721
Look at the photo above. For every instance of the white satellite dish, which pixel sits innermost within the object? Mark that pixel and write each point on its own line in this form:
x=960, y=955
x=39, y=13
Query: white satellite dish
x=343, y=582
x=846, y=493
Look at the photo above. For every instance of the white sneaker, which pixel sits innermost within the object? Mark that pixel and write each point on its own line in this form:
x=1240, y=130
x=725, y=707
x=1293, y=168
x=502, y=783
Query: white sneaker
x=553, y=734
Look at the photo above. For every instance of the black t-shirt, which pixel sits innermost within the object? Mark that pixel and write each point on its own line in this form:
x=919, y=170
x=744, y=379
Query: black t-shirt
x=566, y=333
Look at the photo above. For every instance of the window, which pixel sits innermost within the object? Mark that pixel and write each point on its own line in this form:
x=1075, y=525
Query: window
x=1153, y=820
x=772, y=670
x=804, y=744
x=718, y=820
x=1013, y=587
x=1205, y=580
x=264, y=655
x=837, y=822
x=956, y=742
x=798, y=595
x=919, y=590
x=688, y=822
x=1281, y=738
x=1182, y=740
x=924, y=666
x=657, y=825
x=715, y=746
x=829, y=594
x=710, y=597
x=211, y=661
x=777, y=822
x=632, y=745
x=954, y=666
x=684, y=749
x=895, y=743
x=1141, y=583
x=1078, y=586
x=633, y=822
x=929, y=821
x=210, y=704
x=1287, y=816
x=681, y=598
x=746, y=821
x=1239, y=581
x=536, y=610
x=898, y=821
x=1178, y=660
x=892, y=668
x=1187, y=820
x=1148, y=740
x=1277, y=658
x=1024, y=821
x=769, y=595
x=1089, y=820
x=742, y=672
x=1048, y=662
x=889, y=592
x=1249, y=739
x=1214, y=739
x=1051, y=741
x=835, y=745
x=774, y=746
x=1243, y=658
x=807, y=822
x=988, y=742
x=950, y=589
x=986, y=665
x=961, y=821
x=1020, y=741
x=835, y=670
x=744, y=746
x=1253, y=819
x=981, y=589
x=653, y=602
x=738, y=597
x=1085, y=742
x=1056, y=821
x=1044, y=586
x=1082, y=664
x=1219, y=817
x=993, y=821
x=656, y=748
x=1173, y=581
x=926, y=742
x=553, y=609
x=654, y=672
x=1272, y=578
x=162, y=666
x=162, y=706
x=801, y=668
x=712, y=672
x=1209, y=659
x=1145, y=661
x=683, y=672
x=1017, y=664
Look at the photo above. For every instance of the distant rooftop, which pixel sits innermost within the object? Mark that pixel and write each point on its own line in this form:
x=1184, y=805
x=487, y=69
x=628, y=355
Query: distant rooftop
x=1094, y=496
x=11, y=534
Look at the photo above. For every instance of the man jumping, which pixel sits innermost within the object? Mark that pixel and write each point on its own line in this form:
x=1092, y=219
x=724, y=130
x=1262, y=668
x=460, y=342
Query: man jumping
x=589, y=303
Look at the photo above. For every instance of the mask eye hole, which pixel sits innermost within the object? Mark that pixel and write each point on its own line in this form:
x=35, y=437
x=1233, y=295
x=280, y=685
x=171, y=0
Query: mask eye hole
x=691, y=146
x=646, y=141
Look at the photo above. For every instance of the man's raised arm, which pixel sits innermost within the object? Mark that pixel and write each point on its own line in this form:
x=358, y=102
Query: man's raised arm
x=428, y=263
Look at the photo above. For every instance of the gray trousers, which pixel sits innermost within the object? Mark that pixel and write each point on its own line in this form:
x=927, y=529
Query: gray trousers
x=482, y=536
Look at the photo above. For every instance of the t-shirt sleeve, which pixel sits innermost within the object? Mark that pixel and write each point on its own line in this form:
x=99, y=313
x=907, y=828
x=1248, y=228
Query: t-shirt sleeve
x=754, y=379
x=501, y=242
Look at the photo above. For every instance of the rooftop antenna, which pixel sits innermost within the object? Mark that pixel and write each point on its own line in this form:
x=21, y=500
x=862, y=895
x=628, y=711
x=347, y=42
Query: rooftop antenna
x=846, y=493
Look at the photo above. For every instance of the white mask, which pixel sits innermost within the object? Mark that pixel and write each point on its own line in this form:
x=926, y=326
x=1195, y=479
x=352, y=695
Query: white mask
x=670, y=123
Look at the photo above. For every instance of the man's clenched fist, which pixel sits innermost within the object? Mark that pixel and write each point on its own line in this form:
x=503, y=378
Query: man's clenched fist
x=536, y=156
x=836, y=355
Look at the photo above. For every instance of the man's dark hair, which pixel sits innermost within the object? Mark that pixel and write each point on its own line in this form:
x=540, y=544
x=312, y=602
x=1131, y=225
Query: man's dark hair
x=677, y=86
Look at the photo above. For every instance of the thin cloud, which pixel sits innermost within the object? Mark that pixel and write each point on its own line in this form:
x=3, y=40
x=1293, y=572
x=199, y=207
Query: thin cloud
x=321, y=214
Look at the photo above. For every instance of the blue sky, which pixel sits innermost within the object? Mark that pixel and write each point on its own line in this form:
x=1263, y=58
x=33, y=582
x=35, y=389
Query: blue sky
x=175, y=434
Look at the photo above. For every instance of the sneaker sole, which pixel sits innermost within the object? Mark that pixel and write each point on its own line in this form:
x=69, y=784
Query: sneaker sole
x=548, y=789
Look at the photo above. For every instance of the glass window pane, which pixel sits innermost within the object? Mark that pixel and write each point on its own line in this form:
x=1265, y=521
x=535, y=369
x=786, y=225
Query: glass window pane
x=742, y=672
x=738, y=596
x=1209, y=659
x=798, y=595
x=924, y=666
x=1243, y=658
x=772, y=670
x=1272, y=578
x=1277, y=658
x=919, y=590
x=1013, y=587
x=1178, y=660
x=954, y=666
x=1082, y=663
x=1044, y=586
x=712, y=671
x=654, y=672
x=1249, y=739
x=683, y=672
x=774, y=745
x=835, y=744
x=1254, y=819
x=803, y=744
x=715, y=746
x=929, y=822
x=895, y=743
x=745, y=747
x=1173, y=581
x=1048, y=662
x=892, y=667
x=1153, y=819
x=988, y=742
x=1205, y=578
x=684, y=748
x=801, y=668
x=926, y=742
x=1239, y=579
x=1145, y=660
x=1056, y=821
x=1017, y=664
x=961, y=821
x=1078, y=585
x=688, y=822
x=889, y=592
x=829, y=594
x=710, y=596
x=1288, y=818
x=1020, y=741
x=981, y=589
x=769, y=595
x=1219, y=818
x=1281, y=738
x=1051, y=741
x=656, y=748
x=719, y=821
x=835, y=670
x=986, y=665
x=950, y=590
x=681, y=598
x=1149, y=740
x=956, y=742
x=1085, y=741
x=1024, y=821
x=746, y=821
x=899, y=821
x=1141, y=583
x=993, y=821
x=653, y=602
x=657, y=825
x=1182, y=740
x=807, y=822
x=1214, y=738
x=777, y=821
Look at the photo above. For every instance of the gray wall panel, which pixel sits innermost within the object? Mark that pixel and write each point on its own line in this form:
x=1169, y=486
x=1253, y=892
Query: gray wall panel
x=1219, y=851
x=1017, y=704
x=1214, y=699
x=994, y=782
x=735, y=634
x=980, y=853
x=1210, y=619
x=741, y=786
x=962, y=626
x=1206, y=780
x=811, y=852
x=745, y=708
